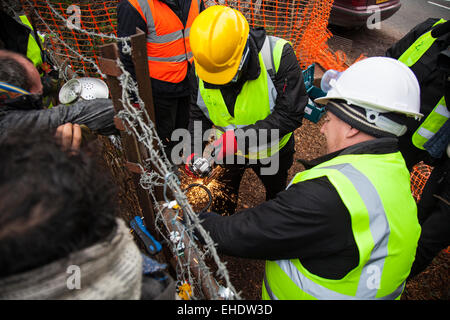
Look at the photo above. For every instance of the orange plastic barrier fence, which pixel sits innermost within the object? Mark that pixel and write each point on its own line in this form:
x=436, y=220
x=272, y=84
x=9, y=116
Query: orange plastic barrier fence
x=302, y=22
x=419, y=177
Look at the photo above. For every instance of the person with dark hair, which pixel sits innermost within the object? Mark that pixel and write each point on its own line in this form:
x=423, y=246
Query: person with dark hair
x=21, y=103
x=12, y=72
x=57, y=215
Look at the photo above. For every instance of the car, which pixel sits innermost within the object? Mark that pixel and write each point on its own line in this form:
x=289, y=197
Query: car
x=357, y=13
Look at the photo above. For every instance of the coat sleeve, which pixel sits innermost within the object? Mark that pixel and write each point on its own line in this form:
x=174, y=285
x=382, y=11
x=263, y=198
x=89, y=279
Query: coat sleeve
x=291, y=98
x=305, y=221
x=97, y=115
x=198, y=122
x=128, y=19
x=404, y=43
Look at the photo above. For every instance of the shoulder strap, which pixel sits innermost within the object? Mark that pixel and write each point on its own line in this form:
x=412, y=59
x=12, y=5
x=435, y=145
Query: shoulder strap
x=271, y=53
x=266, y=52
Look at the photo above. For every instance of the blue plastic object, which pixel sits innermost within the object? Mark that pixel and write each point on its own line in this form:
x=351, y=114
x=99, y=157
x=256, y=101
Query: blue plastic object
x=312, y=111
x=151, y=244
x=308, y=77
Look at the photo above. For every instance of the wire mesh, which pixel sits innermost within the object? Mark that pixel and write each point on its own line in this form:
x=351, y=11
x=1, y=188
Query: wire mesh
x=419, y=177
x=302, y=22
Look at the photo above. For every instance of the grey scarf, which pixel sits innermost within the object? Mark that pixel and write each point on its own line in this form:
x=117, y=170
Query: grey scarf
x=107, y=270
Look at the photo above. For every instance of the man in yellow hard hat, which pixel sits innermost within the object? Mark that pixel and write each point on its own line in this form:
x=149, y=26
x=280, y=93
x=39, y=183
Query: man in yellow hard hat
x=250, y=88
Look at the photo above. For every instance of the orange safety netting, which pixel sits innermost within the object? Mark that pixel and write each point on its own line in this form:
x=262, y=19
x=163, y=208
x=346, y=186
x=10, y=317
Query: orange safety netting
x=419, y=177
x=302, y=22
x=96, y=17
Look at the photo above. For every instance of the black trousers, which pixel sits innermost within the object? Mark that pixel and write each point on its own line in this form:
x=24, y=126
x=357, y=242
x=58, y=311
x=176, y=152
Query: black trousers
x=170, y=114
x=434, y=217
x=273, y=183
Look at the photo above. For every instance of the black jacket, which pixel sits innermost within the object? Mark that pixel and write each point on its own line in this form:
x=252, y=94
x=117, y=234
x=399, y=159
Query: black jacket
x=128, y=19
x=97, y=115
x=291, y=99
x=433, y=208
x=307, y=221
x=13, y=34
x=431, y=81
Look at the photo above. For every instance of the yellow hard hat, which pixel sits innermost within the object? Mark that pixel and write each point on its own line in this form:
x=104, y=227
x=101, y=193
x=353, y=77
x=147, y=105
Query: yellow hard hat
x=218, y=37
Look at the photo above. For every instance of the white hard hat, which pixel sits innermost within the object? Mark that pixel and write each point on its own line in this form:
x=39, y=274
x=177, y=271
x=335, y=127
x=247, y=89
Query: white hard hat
x=378, y=83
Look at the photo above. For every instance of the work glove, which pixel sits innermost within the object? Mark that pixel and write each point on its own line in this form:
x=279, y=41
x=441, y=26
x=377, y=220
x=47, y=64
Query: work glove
x=225, y=145
x=189, y=161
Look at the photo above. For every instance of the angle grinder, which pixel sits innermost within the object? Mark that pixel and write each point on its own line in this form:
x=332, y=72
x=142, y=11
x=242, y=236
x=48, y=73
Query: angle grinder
x=204, y=168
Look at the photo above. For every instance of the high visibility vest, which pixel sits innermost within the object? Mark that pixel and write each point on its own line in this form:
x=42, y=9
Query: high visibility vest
x=376, y=191
x=440, y=114
x=34, y=52
x=168, y=47
x=255, y=102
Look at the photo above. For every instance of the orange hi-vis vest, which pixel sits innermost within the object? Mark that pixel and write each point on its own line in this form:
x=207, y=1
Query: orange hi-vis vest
x=168, y=48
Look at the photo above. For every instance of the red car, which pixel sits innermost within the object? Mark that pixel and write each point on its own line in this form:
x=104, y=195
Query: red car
x=355, y=13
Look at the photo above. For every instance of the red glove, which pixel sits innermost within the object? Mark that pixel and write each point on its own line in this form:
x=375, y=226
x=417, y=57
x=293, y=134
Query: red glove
x=225, y=145
x=189, y=161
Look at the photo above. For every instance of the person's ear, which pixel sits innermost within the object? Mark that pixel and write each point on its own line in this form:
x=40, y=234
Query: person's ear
x=351, y=132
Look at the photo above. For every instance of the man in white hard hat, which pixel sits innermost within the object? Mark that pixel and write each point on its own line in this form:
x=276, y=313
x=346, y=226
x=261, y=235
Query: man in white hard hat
x=347, y=227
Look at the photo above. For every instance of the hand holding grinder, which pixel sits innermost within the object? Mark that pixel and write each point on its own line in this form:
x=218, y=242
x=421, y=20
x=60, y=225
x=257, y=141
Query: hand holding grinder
x=200, y=167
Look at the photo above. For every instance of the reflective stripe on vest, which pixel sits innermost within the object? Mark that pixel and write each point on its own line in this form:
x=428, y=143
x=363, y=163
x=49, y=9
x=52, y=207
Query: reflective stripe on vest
x=419, y=47
x=168, y=47
x=433, y=122
x=385, y=227
x=255, y=102
x=33, y=50
x=436, y=119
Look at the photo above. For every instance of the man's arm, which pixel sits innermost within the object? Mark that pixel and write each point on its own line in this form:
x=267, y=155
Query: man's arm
x=307, y=220
x=97, y=115
x=198, y=122
x=404, y=43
